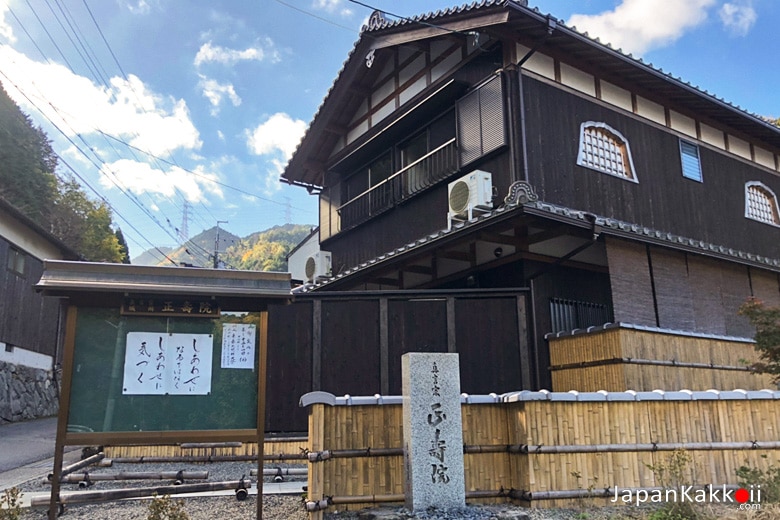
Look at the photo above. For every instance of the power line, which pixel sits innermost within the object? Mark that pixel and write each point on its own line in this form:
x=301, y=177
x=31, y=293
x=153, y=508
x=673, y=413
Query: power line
x=59, y=113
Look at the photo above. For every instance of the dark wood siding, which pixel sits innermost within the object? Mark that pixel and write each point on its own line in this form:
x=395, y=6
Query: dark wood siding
x=712, y=210
x=350, y=347
x=486, y=333
x=565, y=283
x=27, y=319
x=420, y=216
x=414, y=326
x=352, y=344
x=289, y=366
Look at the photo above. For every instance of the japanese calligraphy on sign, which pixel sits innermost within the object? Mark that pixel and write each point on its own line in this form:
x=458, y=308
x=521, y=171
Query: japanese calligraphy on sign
x=158, y=363
x=171, y=307
x=433, y=437
x=238, y=345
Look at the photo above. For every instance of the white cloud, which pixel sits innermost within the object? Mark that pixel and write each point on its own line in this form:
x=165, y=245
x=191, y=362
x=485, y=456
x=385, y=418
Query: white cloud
x=6, y=32
x=637, y=26
x=332, y=6
x=127, y=110
x=279, y=133
x=738, y=17
x=216, y=92
x=140, y=177
x=140, y=7
x=276, y=139
x=218, y=54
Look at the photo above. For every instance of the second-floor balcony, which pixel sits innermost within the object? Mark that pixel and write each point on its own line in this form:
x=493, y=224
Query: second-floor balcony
x=423, y=173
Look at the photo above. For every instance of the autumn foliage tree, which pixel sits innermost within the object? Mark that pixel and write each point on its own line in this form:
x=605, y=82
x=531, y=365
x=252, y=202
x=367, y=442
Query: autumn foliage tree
x=766, y=320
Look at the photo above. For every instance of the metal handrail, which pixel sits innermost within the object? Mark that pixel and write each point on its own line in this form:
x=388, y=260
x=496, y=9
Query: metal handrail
x=396, y=174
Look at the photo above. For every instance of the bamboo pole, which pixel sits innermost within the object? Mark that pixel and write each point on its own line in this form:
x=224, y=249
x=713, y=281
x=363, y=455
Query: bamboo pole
x=137, y=475
x=280, y=471
x=120, y=494
x=319, y=505
x=205, y=445
x=319, y=456
x=210, y=458
x=670, y=446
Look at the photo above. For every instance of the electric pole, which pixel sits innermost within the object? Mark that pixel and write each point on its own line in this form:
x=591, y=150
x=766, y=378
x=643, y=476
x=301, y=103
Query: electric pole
x=216, y=244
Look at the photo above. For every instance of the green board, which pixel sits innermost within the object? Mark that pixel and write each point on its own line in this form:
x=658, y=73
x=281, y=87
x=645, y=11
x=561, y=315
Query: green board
x=115, y=388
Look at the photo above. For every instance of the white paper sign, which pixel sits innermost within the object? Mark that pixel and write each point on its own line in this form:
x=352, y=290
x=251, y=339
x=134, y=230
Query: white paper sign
x=238, y=346
x=158, y=363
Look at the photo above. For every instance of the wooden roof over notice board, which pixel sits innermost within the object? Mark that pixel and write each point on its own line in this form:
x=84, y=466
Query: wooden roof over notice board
x=95, y=284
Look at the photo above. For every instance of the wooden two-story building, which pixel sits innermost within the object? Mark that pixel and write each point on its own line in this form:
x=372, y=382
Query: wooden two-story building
x=31, y=325
x=495, y=183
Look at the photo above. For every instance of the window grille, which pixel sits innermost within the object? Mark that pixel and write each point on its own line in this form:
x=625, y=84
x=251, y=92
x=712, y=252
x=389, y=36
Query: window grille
x=761, y=204
x=603, y=149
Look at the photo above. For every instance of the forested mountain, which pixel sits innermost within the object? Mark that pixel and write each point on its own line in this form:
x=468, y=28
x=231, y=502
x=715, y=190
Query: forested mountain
x=260, y=251
x=31, y=182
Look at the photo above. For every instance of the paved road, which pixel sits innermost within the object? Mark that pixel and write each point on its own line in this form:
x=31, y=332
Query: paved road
x=26, y=442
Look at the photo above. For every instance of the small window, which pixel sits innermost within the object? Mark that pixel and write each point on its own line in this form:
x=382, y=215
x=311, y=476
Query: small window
x=691, y=165
x=16, y=261
x=761, y=203
x=604, y=149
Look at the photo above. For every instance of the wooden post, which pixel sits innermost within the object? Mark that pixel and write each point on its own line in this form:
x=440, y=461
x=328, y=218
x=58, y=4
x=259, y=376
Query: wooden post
x=261, y=388
x=316, y=443
x=64, y=411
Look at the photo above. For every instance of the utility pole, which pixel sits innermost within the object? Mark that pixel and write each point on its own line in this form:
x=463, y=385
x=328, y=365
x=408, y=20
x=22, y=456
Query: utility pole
x=216, y=244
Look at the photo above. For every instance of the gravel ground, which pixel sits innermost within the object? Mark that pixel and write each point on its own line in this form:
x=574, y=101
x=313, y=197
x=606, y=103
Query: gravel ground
x=290, y=507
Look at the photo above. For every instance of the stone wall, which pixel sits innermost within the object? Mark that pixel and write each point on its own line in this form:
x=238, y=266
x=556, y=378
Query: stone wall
x=27, y=393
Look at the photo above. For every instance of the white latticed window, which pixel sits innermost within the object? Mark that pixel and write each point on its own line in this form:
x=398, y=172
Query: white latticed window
x=761, y=204
x=604, y=149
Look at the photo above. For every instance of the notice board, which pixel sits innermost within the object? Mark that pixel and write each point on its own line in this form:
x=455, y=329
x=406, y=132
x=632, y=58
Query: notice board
x=155, y=373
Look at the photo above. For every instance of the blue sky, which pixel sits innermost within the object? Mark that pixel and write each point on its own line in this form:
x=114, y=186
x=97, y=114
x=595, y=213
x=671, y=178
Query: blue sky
x=170, y=106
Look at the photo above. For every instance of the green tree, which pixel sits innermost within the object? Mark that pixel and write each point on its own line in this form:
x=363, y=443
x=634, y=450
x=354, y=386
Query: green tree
x=29, y=182
x=766, y=321
x=123, y=247
x=27, y=162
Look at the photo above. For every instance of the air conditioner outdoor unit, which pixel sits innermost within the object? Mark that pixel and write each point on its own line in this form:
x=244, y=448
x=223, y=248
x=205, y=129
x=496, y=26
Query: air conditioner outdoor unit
x=318, y=265
x=471, y=192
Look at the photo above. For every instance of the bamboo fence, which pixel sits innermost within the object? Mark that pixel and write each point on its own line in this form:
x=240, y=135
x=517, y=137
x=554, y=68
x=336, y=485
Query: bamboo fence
x=580, y=445
x=620, y=357
x=279, y=449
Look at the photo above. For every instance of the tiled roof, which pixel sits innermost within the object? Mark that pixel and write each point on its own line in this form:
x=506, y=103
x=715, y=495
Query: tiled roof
x=571, y=216
x=433, y=17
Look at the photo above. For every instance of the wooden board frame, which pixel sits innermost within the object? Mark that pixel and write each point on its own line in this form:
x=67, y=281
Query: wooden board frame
x=65, y=438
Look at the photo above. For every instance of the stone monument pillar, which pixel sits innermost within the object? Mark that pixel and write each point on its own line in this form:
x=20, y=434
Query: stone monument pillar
x=433, y=431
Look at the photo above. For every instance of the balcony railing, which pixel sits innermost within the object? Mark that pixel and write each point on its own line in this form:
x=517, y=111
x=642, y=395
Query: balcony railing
x=567, y=315
x=436, y=166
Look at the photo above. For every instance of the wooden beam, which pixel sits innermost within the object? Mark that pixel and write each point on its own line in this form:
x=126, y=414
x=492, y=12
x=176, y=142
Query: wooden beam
x=418, y=269
x=336, y=129
x=385, y=281
x=548, y=234
x=497, y=238
x=441, y=29
x=460, y=256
